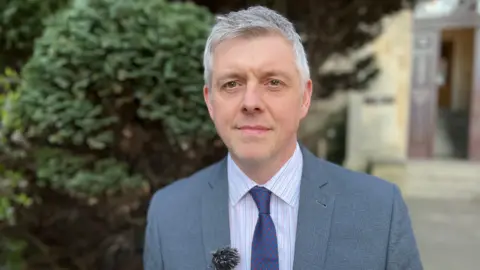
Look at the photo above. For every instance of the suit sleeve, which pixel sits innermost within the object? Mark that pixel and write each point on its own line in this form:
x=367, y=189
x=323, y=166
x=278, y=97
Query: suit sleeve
x=152, y=251
x=403, y=253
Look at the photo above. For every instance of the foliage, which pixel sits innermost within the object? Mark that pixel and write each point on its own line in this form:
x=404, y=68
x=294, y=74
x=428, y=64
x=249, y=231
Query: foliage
x=108, y=108
x=11, y=252
x=335, y=133
x=11, y=182
x=345, y=27
x=107, y=76
x=21, y=22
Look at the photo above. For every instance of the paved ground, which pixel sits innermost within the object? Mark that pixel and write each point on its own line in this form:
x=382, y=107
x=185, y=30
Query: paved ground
x=444, y=202
x=448, y=232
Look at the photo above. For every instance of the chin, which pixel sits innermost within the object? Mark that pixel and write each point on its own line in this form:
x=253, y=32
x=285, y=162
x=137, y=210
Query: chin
x=251, y=153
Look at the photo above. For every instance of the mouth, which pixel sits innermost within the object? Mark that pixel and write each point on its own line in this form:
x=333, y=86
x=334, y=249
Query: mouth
x=254, y=129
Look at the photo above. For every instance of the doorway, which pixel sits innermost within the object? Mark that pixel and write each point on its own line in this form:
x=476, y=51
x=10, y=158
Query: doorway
x=455, y=80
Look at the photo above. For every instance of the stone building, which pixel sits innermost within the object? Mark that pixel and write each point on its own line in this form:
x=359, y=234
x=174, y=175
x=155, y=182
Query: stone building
x=425, y=105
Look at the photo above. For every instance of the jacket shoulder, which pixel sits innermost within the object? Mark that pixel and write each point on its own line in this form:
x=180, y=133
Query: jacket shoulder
x=357, y=184
x=183, y=193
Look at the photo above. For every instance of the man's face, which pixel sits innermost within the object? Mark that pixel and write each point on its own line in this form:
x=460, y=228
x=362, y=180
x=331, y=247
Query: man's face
x=257, y=97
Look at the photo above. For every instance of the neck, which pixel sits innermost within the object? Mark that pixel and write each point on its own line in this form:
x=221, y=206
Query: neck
x=262, y=171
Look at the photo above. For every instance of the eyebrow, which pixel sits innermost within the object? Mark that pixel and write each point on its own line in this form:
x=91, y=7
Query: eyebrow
x=276, y=72
x=269, y=73
x=228, y=74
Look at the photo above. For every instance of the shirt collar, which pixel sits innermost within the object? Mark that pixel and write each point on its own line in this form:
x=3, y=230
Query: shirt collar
x=285, y=184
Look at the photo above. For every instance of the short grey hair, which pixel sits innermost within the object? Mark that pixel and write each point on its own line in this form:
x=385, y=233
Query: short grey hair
x=254, y=21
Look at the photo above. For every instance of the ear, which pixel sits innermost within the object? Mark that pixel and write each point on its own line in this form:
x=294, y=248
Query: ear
x=208, y=100
x=306, y=98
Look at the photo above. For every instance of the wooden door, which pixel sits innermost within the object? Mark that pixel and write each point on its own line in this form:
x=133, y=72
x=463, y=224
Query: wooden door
x=423, y=96
x=474, y=125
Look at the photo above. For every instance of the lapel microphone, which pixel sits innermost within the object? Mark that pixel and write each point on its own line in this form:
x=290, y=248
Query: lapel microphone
x=225, y=259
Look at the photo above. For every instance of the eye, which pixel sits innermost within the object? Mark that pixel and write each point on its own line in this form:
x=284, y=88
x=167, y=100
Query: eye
x=275, y=83
x=231, y=84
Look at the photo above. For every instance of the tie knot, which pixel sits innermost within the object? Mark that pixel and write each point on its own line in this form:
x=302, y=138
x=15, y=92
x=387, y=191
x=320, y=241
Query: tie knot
x=261, y=196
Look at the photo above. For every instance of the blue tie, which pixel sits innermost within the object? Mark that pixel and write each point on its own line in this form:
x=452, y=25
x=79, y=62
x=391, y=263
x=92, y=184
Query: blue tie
x=264, y=244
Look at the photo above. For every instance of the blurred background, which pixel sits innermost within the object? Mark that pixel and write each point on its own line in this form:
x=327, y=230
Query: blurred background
x=101, y=105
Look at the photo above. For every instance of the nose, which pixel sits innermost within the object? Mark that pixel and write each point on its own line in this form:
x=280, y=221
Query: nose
x=252, y=100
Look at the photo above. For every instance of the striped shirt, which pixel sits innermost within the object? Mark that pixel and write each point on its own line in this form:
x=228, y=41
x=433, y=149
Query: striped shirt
x=243, y=212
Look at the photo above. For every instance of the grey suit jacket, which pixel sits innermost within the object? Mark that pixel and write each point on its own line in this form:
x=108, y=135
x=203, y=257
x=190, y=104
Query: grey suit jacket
x=346, y=221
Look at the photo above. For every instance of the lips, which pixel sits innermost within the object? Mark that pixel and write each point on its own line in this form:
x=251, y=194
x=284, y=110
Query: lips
x=260, y=128
x=254, y=129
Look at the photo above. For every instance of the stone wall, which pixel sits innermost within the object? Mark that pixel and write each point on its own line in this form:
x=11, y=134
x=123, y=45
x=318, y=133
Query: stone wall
x=378, y=118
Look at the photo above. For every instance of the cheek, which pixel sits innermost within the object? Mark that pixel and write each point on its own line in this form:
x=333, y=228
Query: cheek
x=223, y=114
x=288, y=108
x=288, y=114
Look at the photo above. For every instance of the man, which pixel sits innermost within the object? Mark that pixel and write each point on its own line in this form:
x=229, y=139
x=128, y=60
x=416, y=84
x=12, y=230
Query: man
x=270, y=198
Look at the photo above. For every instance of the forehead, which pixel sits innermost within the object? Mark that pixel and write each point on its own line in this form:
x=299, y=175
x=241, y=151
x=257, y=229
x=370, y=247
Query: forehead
x=254, y=54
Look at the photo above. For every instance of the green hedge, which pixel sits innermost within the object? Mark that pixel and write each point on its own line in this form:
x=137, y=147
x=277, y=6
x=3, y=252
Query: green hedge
x=108, y=108
x=104, y=73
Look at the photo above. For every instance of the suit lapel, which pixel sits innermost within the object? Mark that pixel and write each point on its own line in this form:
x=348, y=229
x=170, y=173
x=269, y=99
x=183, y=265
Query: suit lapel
x=215, y=217
x=314, y=215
